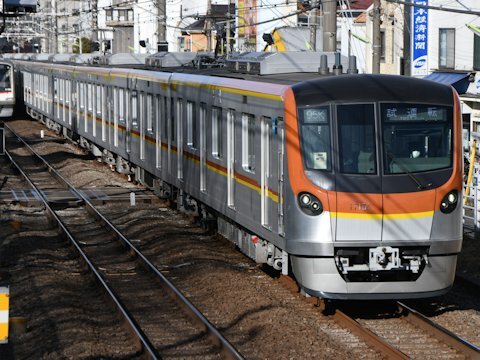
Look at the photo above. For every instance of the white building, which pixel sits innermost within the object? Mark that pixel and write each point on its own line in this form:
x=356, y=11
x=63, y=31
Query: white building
x=454, y=52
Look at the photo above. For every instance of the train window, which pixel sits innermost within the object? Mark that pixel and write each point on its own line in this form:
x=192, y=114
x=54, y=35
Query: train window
x=217, y=133
x=179, y=116
x=86, y=99
x=94, y=114
x=191, y=125
x=121, y=104
x=5, y=80
x=82, y=96
x=315, y=137
x=98, y=98
x=416, y=137
x=57, y=98
x=149, y=113
x=356, y=136
x=248, y=142
x=165, y=117
x=89, y=97
x=103, y=99
x=134, y=108
x=60, y=88
x=67, y=91
x=55, y=86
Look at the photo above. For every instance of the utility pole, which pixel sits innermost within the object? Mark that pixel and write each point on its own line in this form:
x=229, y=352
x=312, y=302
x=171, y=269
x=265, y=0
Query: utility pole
x=313, y=26
x=94, y=6
x=407, y=39
x=330, y=25
x=376, y=46
x=228, y=27
x=161, y=24
x=208, y=25
x=55, y=27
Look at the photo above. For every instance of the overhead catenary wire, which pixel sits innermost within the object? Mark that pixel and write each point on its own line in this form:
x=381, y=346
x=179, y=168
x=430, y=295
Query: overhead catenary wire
x=439, y=8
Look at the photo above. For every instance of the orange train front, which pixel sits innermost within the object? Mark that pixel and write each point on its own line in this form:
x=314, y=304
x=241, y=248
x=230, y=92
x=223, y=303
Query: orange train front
x=374, y=196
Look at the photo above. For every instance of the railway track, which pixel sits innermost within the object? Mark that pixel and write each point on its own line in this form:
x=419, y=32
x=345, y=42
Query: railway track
x=163, y=323
x=401, y=332
x=394, y=329
x=115, y=272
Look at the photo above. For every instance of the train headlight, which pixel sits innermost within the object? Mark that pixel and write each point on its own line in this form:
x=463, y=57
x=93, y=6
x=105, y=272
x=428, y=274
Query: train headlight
x=309, y=204
x=305, y=199
x=449, y=202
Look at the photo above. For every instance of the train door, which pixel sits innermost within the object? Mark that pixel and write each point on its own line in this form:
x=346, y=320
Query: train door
x=74, y=105
x=170, y=126
x=264, y=170
x=79, y=106
x=131, y=115
x=110, y=112
x=69, y=96
x=231, y=158
x=142, y=121
x=281, y=155
x=160, y=114
x=203, y=148
x=179, y=115
x=358, y=182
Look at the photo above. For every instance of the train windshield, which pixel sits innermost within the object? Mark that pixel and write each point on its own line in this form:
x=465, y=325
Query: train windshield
x=416, y=137
x=5, y=78
x=356, y=136
x=315, y=134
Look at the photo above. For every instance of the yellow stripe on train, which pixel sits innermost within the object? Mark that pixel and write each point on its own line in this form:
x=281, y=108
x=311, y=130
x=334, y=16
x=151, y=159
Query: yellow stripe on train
x=417, y=215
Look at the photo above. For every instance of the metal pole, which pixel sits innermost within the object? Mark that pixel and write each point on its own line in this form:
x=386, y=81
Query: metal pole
x=313, y=26
x=55, y=30
x=330, y=25
x=161, y=21
x=407, y=39
x=94, y=21
x=349, y=43
x=376, y=38
x=208, y=25
x=228, y=27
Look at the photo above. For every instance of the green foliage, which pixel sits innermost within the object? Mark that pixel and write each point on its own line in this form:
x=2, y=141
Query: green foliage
x=86, y=46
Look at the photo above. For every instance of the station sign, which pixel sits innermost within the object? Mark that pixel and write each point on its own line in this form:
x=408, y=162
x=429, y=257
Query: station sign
x=419, y=39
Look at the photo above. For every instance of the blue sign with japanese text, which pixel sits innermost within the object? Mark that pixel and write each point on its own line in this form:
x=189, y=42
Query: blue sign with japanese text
x=419, y=39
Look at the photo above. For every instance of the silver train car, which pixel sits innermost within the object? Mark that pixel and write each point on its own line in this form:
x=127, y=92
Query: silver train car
x=7, y=89
x=352, y=182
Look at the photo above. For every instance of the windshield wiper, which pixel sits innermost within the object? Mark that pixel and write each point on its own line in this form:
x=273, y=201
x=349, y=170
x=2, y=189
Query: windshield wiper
x=420, y=186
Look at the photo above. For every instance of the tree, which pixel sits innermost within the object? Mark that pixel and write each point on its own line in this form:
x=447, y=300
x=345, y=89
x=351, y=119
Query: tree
x=86, y=46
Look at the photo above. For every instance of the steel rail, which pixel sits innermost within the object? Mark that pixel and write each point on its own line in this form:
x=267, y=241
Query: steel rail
x=446, y=336
x=227, y=348
x=140, y=338
x=372, y=339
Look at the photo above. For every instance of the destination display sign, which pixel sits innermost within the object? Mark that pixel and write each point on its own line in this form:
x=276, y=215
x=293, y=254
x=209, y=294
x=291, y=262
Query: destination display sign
x=413, y=113
x=315, y=116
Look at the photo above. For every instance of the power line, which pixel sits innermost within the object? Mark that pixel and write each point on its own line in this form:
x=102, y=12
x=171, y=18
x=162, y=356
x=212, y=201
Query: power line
x=439, y=8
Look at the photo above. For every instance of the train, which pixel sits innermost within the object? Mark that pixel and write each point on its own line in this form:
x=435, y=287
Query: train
x=350, y=182
x=7, y=89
